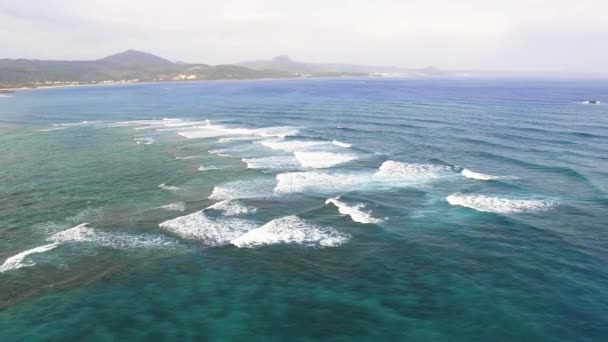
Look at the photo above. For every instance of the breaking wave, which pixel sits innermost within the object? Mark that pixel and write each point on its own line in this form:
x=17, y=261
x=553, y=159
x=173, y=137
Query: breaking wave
x=323, y=160
x=272, y=163
x=390, y=174
x=354, y=211
x=179, y=206
x=341, y=144
x=290, y=230
x=482, y=176
x=232, y=208
x=19, y=260
x=116, y=240
x=210, y=231
x=498, y=204
x=168, y=187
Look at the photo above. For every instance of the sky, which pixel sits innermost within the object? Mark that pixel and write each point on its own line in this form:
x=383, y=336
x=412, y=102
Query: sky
x=509, y=35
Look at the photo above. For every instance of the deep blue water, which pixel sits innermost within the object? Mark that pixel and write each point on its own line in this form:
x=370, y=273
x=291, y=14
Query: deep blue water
x=319, y=209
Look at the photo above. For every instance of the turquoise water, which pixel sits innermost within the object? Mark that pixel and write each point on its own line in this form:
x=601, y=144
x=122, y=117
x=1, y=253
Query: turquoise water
x=353, y=209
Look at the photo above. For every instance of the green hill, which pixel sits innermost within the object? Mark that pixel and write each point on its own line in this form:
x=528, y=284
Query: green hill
x=128, y=66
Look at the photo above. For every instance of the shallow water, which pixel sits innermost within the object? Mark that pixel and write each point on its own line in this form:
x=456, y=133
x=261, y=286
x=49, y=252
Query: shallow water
x=350, y=209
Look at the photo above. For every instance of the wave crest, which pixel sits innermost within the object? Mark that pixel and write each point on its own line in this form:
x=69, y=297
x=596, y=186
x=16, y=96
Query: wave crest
x=291, y=230
x=498, y=204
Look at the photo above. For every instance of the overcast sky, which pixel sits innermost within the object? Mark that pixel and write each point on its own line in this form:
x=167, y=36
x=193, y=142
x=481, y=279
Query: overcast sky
x=528, y=35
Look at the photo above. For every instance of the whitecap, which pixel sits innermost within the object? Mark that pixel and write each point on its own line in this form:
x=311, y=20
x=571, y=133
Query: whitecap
x=481, y=176
x=188, y=157
x=258, y=188
x=341, y=144
x=323, y=160
x=168, y=187
x=412, y=171
x=291, y=230
x=272, y=163
x=144, y=140
x=390, y=174
x=232, y=208
x=212, y=131
x=179, y=206
x=116, y=240
x=19, y=260
x=207, y=168
x=292, y=182
x=212, y=232
x=498, y=204
x=292, y=145
x=354, y=211
x=220, y=153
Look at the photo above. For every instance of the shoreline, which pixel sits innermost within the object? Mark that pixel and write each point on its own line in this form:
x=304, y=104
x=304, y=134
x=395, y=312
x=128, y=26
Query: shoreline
x=15, y=89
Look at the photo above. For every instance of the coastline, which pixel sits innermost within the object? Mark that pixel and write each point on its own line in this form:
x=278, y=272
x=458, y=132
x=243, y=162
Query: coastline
x=15, y=89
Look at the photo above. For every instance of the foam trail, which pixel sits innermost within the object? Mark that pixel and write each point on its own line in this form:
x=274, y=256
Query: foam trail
x=260, y=188
x=212, y=131
x=355, y=212
x=482, y=176
x=498, y=204
x=390, y=174
x=341, y=144
x=413, y=171
x=292, y=145
x=207, y=168
x=290, y=230
x=212, y=232
x=323, y=160
x=168, y=187
x=179, y=206
x=144, y=140
x=188, y=157
x=272, y=163
x=221, y=153
x=115, y=240
x=18, y=260
x=232, y=208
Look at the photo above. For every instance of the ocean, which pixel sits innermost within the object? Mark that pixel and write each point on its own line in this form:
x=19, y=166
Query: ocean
x=423, y=209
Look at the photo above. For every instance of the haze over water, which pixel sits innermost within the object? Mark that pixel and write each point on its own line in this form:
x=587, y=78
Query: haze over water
x=334, y=209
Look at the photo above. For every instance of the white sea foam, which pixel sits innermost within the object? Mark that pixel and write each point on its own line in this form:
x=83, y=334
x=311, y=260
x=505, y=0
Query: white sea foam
x=412, y=171
x=220, y=153
x=323, y=160
x=144, y=140
x=481, y=176
x=188, y=157
x=179, y=206
x=212, y=232
x=390, y=174
x=212, y=131
x=19, y=260
x=293, y=145
x=341, y=144
x=259, y=188
x=207, y=168
x=116, y=240
x=498, y=204
x=354, y=211
x=291, y=229
x=168, y=187
x=232, y=208
x=63, y=126
x=291, y=182
x=272, y=163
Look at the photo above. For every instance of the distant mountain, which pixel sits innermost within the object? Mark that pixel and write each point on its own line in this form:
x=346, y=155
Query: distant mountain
x=134, y=58
x=286, y=64
x=128, y=66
